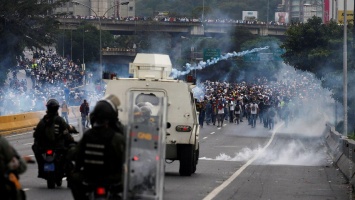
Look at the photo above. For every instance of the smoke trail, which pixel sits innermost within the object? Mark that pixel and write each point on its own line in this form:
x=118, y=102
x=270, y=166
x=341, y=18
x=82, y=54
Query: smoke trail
x=201, y=65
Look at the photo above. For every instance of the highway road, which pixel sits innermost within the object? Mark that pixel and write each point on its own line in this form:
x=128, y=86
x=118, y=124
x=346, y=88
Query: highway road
x=236, y=162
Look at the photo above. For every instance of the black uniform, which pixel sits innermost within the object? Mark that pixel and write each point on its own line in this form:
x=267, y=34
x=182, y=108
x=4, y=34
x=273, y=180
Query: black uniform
x=52, y=132
x=99, y=159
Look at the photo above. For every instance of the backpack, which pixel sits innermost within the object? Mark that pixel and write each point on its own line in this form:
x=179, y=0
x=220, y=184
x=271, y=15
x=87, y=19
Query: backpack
x=237, y=108
x=53, y=130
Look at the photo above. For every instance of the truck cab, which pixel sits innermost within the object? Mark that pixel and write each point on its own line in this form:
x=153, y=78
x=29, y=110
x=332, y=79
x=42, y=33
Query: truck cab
x=150, y=81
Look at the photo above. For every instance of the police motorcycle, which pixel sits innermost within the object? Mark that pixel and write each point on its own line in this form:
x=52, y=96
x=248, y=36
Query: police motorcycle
x=101, y=191
x=55, y=166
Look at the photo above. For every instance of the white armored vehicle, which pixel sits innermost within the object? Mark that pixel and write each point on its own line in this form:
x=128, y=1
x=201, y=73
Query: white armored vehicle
x=149, y=84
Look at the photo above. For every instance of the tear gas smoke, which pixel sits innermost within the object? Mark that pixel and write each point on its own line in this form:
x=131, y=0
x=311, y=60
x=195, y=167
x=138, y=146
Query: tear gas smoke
x=294, y=152
x=302, y=143
x=201, y=65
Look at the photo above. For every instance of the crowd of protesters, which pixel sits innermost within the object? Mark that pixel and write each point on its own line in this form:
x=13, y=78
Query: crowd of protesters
x=178, y=19
x=47, y=75
x=262, y=102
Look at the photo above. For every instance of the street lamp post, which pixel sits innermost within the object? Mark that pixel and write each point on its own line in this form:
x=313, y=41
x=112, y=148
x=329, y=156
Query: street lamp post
x=97, y=16
x=83, y=65
x=203, y=11
x=345, y=72
x=71, y=44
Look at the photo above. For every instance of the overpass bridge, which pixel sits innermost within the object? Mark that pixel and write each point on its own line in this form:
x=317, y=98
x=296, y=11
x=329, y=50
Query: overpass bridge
x=175, y=28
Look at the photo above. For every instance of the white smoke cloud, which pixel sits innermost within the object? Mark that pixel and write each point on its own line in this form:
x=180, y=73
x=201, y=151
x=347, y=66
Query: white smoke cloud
x=201, y=65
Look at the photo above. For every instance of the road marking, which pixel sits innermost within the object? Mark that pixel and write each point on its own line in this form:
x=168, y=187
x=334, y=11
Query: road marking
x=26, y=189
x=16, y=135
x=212, y=133
x=218, y=189
x=28, y=143
x=204, y=138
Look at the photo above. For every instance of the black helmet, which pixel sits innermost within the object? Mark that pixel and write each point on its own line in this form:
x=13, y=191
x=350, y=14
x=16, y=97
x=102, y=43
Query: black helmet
x=105, y=110
x=52, y=105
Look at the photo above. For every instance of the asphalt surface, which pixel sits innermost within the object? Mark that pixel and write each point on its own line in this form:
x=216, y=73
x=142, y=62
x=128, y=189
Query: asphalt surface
x=236, y=162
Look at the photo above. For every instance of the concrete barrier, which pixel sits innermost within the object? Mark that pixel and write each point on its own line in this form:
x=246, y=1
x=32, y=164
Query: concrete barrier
x=25, y=122
x=343, y=151
x=19, y=123
x=333, y=141
x=346, y=161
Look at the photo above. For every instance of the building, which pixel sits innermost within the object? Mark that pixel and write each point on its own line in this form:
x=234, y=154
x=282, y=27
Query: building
x=94, y=8
x=302, y=10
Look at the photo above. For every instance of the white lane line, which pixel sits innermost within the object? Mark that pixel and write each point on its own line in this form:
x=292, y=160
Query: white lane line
x=26, y=189
x=204, y=138
x=218, y=189
x=9, y=136
x=212, y=133
x=28, y=143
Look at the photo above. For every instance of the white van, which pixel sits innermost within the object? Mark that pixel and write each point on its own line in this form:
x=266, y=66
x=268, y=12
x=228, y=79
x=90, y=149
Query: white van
x=151, y=80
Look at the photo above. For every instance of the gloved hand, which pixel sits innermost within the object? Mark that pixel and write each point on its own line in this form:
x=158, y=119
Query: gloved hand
x=73, y=129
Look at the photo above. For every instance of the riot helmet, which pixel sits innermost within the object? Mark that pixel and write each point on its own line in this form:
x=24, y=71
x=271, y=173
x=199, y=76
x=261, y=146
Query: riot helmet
x=105, y=110
x=146, y=113
x=52, y=106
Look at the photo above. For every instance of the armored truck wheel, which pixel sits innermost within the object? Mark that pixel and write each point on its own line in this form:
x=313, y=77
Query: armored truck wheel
x=187, y=161
x=196, y=155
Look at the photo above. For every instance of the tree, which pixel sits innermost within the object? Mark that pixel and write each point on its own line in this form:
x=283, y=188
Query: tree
x=318, y=48
x=314, y=46
x=83, y=41
x=24, y=24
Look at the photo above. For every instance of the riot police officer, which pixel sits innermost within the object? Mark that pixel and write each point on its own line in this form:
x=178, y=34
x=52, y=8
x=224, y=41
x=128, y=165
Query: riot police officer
x=51, y=132
x=11, y=166
x=99, y=155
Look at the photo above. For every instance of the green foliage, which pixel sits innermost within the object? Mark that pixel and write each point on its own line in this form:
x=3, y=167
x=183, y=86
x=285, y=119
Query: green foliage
x=22, y=24
x=313, y=45
x=318, y=48
x=83, y=43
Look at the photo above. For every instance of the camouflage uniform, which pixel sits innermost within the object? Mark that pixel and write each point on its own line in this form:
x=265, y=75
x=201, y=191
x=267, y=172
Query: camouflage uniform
x=11, y=165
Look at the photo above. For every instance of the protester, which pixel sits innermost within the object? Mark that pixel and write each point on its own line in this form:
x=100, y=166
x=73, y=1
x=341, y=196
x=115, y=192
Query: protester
x=65, y=111
x=84, y=110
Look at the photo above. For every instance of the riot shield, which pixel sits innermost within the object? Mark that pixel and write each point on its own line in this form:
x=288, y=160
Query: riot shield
x=145, y=146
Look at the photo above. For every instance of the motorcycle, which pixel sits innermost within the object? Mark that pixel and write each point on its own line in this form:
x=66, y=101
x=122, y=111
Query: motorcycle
x=53, y=167
x=103, y=191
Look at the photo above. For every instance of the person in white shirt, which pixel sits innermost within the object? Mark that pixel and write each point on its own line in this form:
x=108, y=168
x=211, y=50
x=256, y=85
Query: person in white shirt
x=220, y=113
x=231, y=111
x=253, y=111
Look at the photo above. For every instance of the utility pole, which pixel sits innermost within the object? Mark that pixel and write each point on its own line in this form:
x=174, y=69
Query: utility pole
x=345, y=72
